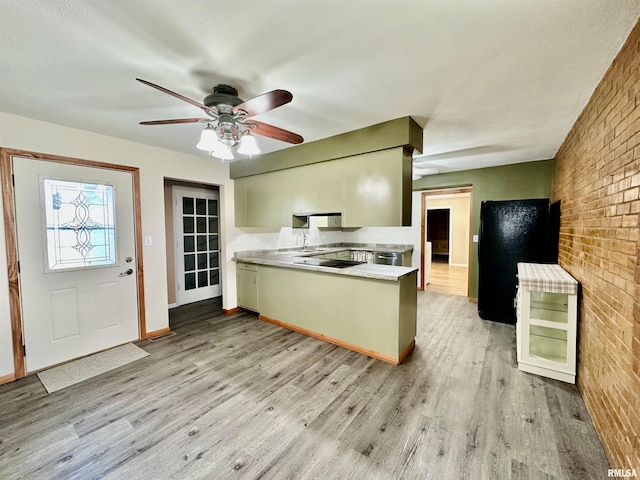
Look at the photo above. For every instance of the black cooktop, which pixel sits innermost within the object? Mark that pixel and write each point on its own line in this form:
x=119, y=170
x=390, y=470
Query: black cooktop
x=328, y=262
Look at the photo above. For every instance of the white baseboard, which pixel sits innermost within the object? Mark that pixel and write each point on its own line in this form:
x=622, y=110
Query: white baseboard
x=172, y=305
x=458, y=265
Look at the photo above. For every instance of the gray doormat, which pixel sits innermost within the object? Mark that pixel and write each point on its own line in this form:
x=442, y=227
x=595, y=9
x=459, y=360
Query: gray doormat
x=64, y=376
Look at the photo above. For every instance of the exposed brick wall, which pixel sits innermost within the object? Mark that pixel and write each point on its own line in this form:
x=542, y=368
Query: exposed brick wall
x=597, y=178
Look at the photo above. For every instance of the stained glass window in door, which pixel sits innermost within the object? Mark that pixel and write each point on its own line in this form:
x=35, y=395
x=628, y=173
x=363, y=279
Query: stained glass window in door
x=79, y=223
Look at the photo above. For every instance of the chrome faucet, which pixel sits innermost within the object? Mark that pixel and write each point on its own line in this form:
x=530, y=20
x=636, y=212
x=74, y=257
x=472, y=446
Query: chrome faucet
x=304, y=240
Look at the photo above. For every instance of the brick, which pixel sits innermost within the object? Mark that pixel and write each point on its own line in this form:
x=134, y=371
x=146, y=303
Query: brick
x=630, y=221
x=631, y=193
x=597, y=178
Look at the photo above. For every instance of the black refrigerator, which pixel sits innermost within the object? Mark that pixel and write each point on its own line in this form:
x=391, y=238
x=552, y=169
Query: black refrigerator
x=512, y=231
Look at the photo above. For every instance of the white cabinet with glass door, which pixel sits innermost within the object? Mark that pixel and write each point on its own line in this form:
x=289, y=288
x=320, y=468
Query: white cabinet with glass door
x=546, y=329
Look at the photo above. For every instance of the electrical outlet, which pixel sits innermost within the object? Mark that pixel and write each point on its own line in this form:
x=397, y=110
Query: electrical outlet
x=475, y=239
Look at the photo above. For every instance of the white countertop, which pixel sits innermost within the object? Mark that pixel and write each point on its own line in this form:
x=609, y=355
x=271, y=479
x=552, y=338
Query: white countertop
x=287, y=259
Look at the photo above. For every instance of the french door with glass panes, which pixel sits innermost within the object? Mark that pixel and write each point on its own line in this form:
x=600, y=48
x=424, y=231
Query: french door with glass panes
x=197, y=240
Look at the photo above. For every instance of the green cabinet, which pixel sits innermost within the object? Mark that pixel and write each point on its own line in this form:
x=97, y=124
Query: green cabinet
x=247, y=284
x=365, y=175
x=371, y=189
x=375, y=317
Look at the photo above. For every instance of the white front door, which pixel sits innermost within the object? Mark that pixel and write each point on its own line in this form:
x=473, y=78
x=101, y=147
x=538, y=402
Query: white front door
x=197, y=240
x=77, y=262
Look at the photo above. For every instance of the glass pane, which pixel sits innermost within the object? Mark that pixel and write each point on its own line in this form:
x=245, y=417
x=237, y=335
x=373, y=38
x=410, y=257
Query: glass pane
x=189, y=281
x=202, y=261
x=213, y=224
x=201, y=206
x=187, y=205
x=548, y=343
x=187, y=224
x=549, y=306
x=80, y=224
x=213, y=242
x=203, y=279
x=189, y=243
x=202, y=224
x=202, y=243
x=189, y=263
x=214, y=277
x=213, y=207
x=213, y=260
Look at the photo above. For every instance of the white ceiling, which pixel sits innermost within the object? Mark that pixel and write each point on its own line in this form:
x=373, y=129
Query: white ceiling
x=492, y=82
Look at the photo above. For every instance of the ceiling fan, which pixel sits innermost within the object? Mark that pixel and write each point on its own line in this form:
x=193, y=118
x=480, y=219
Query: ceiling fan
x=230, y=120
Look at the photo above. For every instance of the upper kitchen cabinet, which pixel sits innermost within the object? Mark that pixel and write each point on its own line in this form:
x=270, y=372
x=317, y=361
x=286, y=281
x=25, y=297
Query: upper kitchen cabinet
x=364, y=175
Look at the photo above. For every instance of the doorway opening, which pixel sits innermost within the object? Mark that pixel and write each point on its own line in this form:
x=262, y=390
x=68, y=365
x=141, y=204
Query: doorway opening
x=438, y=230
x=193, y=245
x=446, y=240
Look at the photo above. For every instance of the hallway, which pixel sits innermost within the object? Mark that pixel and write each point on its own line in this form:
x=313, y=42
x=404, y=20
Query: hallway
x=448, y=279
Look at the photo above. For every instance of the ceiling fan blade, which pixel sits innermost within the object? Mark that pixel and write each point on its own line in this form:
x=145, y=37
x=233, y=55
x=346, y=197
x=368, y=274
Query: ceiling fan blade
x=174, y=94
x=177, y=120
x=264, y=103
x=278, y=133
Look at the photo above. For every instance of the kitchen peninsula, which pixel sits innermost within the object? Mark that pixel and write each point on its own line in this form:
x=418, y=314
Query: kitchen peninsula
x=319, y=291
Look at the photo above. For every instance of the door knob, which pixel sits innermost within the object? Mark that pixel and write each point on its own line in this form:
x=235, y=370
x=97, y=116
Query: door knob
x=128, y=272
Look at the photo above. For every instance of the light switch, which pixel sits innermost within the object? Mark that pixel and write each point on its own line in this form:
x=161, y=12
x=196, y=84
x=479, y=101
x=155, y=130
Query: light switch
x=475, y=239
x=148, y=241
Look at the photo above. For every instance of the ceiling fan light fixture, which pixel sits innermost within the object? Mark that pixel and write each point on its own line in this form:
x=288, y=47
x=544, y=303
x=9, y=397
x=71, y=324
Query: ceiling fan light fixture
x=208, y=139
x=228, y=130
x=227, y=114
x=222, y=151
x=248, y=145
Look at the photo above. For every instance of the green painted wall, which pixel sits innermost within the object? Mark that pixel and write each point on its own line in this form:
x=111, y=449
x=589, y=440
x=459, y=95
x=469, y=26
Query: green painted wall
x=510, y=182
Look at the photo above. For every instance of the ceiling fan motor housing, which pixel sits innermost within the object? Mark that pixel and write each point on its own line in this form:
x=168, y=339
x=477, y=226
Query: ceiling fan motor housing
x=223, y=95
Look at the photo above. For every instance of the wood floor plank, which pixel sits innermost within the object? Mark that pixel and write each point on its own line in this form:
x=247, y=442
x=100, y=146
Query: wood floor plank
x=230, y=396
x=449, y=279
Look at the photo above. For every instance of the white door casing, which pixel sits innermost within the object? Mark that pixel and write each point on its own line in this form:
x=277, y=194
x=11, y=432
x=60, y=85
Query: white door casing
x=70, y=310
x=197, y=244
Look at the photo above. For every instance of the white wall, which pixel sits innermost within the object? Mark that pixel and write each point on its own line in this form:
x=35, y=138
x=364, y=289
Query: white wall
x=155, y=164
x=398, y=235
x=268, y=238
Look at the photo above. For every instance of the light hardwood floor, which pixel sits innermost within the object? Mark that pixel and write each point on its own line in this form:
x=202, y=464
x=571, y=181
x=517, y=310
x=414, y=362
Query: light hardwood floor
x=448, y=279
x=233, y=397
